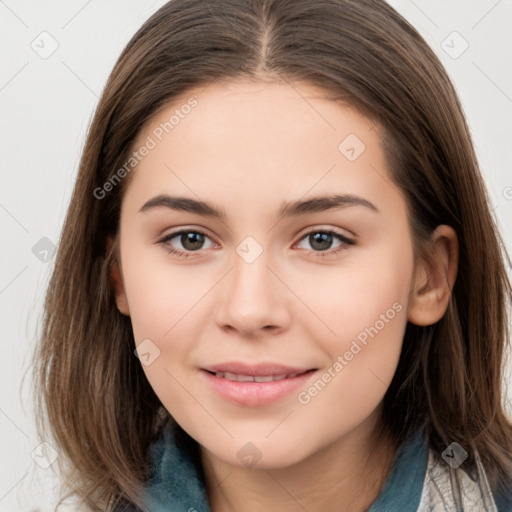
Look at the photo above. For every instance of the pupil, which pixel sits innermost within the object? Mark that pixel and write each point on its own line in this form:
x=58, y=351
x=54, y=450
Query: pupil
x=320, y=241
x=192, y=241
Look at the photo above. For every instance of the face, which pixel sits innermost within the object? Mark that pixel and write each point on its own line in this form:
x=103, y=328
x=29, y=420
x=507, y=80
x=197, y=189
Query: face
x=270, y=319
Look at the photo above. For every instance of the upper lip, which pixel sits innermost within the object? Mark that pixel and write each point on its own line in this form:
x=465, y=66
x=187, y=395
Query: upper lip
x=257, y=370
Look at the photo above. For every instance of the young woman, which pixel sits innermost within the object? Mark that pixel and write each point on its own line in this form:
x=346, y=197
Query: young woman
x=279, y=285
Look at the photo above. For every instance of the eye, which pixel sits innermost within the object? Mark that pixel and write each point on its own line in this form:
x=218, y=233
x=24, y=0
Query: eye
x=189, y=240
x=321, y=241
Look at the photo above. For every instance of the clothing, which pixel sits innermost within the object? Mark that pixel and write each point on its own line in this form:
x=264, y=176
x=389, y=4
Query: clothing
x=416, y=483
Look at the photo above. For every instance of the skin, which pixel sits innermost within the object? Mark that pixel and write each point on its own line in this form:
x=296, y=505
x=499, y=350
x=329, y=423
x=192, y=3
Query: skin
x=248, y=147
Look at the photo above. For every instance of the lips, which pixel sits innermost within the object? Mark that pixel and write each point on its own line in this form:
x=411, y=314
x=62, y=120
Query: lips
x=255, y=385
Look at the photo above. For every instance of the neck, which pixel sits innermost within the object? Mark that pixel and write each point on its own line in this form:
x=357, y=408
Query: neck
x=346, y=475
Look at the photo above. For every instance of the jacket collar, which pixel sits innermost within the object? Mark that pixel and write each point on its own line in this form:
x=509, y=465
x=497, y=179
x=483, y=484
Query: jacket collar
x=176, y=484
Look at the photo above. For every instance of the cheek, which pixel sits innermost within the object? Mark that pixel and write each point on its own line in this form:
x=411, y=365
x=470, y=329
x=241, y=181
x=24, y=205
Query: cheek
x=163, y=312
x=363, y=313
x=361, y=358
x=161, y=296
x=348, y=299
x=168, y=306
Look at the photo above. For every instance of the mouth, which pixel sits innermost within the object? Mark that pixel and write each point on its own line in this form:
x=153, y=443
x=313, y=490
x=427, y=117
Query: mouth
x=256, y=378
x=255, y=385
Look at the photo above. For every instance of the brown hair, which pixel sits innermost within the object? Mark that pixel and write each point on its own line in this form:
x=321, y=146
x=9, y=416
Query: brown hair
x=92, y=392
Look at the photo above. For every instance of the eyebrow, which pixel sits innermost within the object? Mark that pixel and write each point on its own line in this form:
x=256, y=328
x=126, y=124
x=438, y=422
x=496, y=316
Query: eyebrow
x=290, y=209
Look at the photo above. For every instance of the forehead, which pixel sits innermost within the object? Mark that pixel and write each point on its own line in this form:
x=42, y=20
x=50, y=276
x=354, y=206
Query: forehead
x=261, y=139
x=259, y=107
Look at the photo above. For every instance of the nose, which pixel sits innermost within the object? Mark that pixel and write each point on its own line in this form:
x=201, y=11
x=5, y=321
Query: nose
x=253, y=300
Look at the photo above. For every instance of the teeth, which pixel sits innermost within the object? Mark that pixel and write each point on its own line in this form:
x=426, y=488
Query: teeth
x=243, y=378
x=266, y=378
x=252, y=378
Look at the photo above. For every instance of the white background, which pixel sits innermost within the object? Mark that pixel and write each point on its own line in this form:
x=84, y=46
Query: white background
x=47, y=104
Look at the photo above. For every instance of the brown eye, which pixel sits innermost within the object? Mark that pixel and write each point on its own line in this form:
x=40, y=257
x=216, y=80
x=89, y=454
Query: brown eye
x=322, y=241
x=185, y=241
x=191, y=240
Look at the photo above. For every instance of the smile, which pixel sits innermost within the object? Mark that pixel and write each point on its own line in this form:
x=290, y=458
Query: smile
x=246, y=388
x=254, y=378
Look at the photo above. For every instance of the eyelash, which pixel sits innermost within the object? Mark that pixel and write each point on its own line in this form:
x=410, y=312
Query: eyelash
x=177, y=252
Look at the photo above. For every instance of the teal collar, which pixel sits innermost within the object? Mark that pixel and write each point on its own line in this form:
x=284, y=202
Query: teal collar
x=404, y=485
x=176, y=484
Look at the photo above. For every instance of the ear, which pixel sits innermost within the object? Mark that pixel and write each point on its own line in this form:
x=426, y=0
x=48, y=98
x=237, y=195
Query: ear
x=116, y=279
x=434, y=279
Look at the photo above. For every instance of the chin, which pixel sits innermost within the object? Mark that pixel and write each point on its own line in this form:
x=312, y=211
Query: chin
x=260, y=453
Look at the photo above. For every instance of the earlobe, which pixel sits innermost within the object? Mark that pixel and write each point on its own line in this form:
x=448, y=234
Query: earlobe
x=434, y=279
x=116, y=280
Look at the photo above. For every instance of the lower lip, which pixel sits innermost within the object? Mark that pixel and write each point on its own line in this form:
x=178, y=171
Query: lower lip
x=256, y=393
